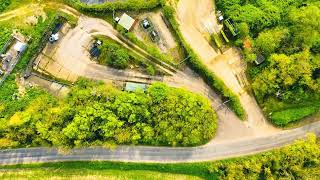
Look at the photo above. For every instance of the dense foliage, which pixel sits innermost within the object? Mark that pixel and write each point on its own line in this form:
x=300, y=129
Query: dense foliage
x=298, y=161
x=5, y=34
x=286, y=33
x=197, y=65
x=98, y=114
x=4, y=4
x=114, y=55
x=134, y=5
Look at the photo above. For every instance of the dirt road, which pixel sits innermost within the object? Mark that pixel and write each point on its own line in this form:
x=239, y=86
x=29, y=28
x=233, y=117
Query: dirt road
x=73, y=56
x=227, y=66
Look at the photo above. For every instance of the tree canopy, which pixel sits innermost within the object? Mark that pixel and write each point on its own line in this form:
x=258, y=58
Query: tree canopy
x=99, y=114
x=286, y=33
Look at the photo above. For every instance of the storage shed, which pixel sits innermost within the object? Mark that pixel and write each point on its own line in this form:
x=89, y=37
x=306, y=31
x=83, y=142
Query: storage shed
x=126, y=22
x=132, y=87
x=20, y=47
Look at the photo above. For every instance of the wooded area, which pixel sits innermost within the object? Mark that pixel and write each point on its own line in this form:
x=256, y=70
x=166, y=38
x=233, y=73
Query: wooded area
x=297, y=161
x=287, y=34
x=99, y=114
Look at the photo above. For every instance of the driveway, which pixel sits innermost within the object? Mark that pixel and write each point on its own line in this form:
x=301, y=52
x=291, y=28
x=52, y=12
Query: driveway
x=228, y=66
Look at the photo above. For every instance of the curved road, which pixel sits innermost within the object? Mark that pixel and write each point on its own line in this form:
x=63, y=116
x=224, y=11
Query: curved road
x=158, y=154
x=234, y=138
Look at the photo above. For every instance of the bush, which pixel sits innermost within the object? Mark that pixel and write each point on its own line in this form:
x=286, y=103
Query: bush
x=150, y=70
x=196, y=64
x=4, y=4
x=283, y=118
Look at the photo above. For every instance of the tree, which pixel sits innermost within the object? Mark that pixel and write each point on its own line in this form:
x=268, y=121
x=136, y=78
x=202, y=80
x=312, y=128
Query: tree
x=119, y=59
x=270, y=40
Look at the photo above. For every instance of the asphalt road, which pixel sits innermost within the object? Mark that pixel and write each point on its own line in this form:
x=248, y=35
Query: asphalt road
x=208, y=152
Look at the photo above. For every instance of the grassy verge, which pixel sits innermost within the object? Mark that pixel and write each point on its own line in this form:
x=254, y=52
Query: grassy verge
x=283, y=118
x=109, y=170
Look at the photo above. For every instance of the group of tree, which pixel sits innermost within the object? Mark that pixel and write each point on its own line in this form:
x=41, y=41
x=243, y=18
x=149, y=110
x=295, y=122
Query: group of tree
x=4, y=5
x=114, y=55
x=298, y=161
x=98, y=114
x=287, y=34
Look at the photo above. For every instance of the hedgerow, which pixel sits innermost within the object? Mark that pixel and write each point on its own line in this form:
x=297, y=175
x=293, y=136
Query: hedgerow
x=133, y=5
x=196, y=64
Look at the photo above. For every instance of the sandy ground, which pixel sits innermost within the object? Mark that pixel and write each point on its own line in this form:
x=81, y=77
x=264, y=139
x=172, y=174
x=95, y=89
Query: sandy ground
x=167, y=43
x=227, y=66
x=53, y=87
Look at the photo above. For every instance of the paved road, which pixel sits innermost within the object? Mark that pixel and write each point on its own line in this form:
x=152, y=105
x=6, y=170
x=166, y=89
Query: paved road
x=233, y=137
x=159, y=154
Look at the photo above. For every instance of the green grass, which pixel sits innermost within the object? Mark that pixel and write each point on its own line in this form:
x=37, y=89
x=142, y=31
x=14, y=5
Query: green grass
x=110, y=170
x=282, y=118
x=286, y=114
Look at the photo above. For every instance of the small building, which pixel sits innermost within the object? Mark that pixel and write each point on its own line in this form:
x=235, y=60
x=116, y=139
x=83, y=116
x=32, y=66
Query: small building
x=132, y=87
x=20, y=47
x=126, y=22
x=260, y=59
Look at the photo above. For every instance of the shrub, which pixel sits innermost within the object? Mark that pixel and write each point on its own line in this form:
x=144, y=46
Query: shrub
x=4, y=4
x=150, y=70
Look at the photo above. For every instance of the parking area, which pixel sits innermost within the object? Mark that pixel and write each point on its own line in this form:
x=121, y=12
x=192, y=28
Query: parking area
x=46, y=63
x=153, y=29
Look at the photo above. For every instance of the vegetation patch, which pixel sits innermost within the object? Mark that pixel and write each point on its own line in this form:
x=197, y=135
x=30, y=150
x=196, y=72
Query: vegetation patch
x=282, y=118
x=134, y=5
x=98, y=114
x=286, y=34
x=4, y=4
x=119, y=57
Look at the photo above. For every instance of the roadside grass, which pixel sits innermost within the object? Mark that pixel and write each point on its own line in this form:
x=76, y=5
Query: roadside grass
x=288, y=115
x=110, y=170
x=282, y=118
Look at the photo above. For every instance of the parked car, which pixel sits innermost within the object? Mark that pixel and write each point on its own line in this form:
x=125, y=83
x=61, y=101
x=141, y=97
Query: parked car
x=154, y=36
x=146, y=24
x=220, y=16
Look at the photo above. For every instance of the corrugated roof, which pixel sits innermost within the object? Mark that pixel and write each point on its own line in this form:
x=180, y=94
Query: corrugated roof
x=132, y=87
x=20, y=47
x=126, y=21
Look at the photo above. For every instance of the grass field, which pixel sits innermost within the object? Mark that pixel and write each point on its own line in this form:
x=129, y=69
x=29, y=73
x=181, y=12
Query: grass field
x=106, y=170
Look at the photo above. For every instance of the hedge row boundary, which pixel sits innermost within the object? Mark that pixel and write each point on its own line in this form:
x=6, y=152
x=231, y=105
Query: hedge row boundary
x=197, y=65
x=134, y=5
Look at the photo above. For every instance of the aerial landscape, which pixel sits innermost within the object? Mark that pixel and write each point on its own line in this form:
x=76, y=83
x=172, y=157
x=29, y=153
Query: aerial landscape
x=160, y=89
